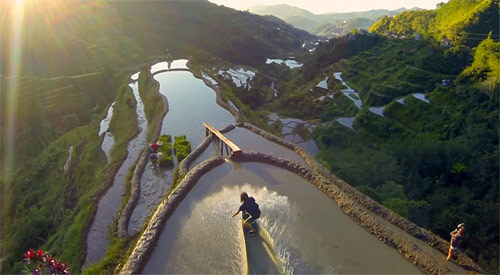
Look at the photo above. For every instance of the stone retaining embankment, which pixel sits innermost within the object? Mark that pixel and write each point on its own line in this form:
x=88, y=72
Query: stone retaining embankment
x=124, y=218
x=147, y=241
x=430, y=238
x=362, y=216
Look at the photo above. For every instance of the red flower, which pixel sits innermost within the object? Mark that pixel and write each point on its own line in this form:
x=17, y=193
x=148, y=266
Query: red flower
x=60, y=268
x=39, y=254
x=29, y=255
x=41, y=262
x=48, y=259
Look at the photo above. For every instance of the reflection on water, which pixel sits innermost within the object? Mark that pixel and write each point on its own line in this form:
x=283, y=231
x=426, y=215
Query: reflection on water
x=308, y=232
x=346, y=121
x=190, y=103
x=108, y=140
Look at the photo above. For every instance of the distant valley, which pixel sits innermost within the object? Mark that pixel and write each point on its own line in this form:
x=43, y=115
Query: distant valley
x=328, y=24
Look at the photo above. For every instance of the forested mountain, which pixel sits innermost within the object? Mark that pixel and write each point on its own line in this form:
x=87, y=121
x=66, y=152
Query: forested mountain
x=71, y=59
x=103, y=37
x=83, y=31
x=434, y=162
x=463, y=22
x=328, y=24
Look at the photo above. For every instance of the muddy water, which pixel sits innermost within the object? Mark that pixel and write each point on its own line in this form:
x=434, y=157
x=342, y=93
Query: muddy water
x=289, y=134
x=191, y=103
x=97, y=239
x=248, y=141
x=309, y=233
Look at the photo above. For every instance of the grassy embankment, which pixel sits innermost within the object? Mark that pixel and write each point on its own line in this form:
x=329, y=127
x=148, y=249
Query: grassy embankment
x=153, y=103
x=49, y=209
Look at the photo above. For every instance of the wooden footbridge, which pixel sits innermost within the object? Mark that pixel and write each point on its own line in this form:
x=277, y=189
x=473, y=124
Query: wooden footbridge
x=224, y=142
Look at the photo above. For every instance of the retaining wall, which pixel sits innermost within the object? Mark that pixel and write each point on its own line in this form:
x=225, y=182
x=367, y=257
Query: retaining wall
x=147, y=241
x=435, y=241
x=362, y=216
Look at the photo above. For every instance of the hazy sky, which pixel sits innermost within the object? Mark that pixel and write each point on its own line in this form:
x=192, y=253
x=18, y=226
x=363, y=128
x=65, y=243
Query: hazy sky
x=324, y=6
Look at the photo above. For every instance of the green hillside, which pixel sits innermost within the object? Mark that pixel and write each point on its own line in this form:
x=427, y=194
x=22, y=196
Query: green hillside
x=328, y=24
x=462, y=21
x=45, y=206
x=73, y=71
x=435, y=163
x=117, y=33
x=45, y=108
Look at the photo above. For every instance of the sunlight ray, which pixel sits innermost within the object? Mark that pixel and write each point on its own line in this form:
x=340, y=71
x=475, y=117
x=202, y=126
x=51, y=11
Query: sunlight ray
x=14, y=70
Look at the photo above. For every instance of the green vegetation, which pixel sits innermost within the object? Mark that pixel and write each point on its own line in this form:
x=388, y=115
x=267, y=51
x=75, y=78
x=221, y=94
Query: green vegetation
x=403, y=67
x=130, y=32
x=166, y=149
x=435, y=163
x=182, y=147
x=153, y=103
x=329, y=24
x=123, y=124
x=462, y=21
x=44, y=108
x=45, y=207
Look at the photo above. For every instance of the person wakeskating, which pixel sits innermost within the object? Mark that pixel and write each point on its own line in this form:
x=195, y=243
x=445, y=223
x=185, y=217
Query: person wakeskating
x=251, y=208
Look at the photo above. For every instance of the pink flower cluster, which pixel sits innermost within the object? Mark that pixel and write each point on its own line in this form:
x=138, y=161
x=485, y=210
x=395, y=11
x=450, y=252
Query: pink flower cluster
x=40, y=262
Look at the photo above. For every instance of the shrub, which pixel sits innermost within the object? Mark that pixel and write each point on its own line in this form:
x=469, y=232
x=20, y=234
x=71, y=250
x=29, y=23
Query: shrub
x=182, y=147
x=166, y=149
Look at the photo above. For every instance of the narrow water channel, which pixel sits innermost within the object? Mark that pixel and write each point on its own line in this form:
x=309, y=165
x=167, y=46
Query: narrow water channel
x=97, y=239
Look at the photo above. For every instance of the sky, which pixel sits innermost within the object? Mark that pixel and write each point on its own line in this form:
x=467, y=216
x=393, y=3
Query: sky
x=325, y=6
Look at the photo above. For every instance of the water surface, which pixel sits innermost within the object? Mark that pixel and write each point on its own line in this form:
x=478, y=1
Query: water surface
x=191, y=103
x=308, y=232
x=108, y=140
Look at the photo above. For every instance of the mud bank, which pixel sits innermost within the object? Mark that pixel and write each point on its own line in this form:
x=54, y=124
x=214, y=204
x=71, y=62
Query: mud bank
x=147, y=240
x=124, y=218
x=430, y=238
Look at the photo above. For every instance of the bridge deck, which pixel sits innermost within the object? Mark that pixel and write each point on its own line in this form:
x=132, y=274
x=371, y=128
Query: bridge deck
x=228, y=142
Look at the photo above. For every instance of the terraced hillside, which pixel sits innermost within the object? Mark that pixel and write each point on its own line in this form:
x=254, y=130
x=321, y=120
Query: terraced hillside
x=424, y=142
x=45, y=108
